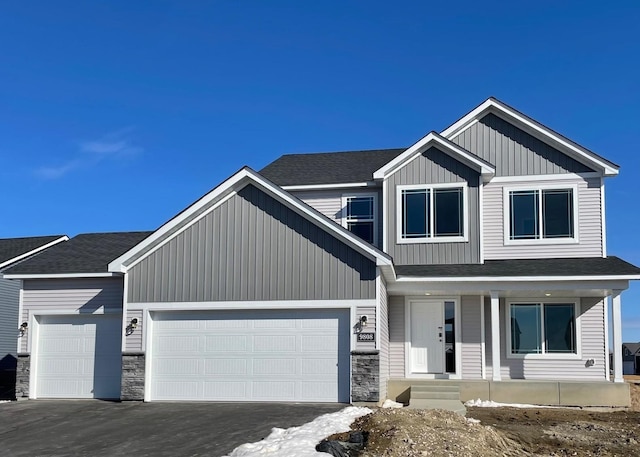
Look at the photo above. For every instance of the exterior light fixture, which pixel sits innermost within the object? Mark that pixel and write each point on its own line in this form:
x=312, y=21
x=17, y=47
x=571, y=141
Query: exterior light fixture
x=23, y=328
x=547, y=294
x=427, y=293
x=131, y=327
x=363, y=321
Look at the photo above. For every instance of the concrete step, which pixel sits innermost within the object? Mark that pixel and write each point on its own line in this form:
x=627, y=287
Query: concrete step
x=436, y=388
x=435, y=382
x=436, y=395
x=449, y=405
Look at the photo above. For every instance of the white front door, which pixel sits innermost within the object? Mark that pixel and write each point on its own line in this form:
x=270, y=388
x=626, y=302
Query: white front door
x=426, y=325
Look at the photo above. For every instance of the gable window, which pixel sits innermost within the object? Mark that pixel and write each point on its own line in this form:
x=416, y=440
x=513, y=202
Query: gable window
x=542, y=329
x=432, y=213
x=540, y=214
x=359, y=216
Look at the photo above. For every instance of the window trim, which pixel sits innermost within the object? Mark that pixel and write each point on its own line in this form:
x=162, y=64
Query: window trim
x=343, y=214
x=506, y=191
x=433, y=239
x=544, y=356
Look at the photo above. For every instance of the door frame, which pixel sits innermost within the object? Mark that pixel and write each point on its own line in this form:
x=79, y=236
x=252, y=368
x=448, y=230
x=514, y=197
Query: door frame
x=457, y=345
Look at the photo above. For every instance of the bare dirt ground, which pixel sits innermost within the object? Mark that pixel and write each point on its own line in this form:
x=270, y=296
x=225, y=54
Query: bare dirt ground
x=503, y=432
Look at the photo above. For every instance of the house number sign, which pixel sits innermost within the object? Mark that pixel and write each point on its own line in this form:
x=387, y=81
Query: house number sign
x=366, y=336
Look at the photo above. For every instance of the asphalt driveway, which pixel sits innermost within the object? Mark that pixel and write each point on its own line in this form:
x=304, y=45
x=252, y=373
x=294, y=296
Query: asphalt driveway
x=98, y=428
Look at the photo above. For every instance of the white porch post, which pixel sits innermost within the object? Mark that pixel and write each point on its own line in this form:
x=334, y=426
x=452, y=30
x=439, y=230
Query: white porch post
x=495, y=336
x=616, y=317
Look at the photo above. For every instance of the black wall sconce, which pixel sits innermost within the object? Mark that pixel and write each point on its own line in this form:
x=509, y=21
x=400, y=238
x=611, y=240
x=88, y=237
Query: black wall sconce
x=131, y=327
x=23, y=328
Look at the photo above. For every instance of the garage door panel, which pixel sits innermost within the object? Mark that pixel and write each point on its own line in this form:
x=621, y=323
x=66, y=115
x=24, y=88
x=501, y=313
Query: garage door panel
x=258, y=356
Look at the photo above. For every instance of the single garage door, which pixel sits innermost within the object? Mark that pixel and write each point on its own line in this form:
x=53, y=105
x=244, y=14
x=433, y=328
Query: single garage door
x=79, y=356
x=300, y=356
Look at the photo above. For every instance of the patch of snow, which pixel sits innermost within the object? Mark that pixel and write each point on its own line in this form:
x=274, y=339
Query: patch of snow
x=5, y=401
x=301, y=441
x=493, y=404
x=471, y=420
x=392, y=404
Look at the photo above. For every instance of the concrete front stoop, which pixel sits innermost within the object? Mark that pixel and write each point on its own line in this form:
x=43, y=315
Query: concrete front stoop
x=437, y=395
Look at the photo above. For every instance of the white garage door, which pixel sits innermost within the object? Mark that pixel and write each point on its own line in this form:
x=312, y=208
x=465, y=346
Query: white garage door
x=79, y=357
x=300, y=356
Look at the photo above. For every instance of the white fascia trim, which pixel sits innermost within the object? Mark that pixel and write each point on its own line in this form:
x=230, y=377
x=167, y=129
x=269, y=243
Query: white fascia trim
x=227, y=189
x=244, y=305
x=61, y=275
x=558, y=177
x=330, y=186
x=516, y=278
x=34, y=251
x=494, y=106
x=452, y=149
x=481, y=217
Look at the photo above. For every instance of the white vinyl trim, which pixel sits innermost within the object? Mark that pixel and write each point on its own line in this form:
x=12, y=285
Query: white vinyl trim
x=481, y=217
x=607, y=364
x=148, y=354
x=374, y=220
x=483, y=345
x=125, y=297
x=60, y=275
x=378, y=304
x=385, y=215
x=234, y=305
x=603, y=221
x=34, y=251
x=330, y=186
x=516, y=278
x=517, y=179
x=20, y=309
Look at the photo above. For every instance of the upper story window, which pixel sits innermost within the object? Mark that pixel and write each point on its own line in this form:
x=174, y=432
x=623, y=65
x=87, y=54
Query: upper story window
x=432, y=213
x=540, y=215
x=359, y=216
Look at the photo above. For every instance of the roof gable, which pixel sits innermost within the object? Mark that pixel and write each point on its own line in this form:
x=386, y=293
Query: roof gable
x=535, y=129
x=13, y=250
x=227, y=189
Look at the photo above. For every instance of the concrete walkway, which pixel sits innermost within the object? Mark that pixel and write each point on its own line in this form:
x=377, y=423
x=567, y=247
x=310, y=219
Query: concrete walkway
x=98, y=428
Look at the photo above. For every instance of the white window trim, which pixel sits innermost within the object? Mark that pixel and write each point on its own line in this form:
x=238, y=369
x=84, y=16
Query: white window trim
x=343, y=213
x=544, y=356
x=433, y=239
x=538, y=188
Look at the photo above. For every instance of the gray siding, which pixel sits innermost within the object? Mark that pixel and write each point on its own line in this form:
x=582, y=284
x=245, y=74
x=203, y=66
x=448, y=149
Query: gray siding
x=9, y=302
x=592, y=335
x=513, y=151
x=471, y=352
x=329, y=203
x=434, y=167
x=73, y=295
x=252, y=247
x=396, y=337
x=588, y=223
x=383, y=328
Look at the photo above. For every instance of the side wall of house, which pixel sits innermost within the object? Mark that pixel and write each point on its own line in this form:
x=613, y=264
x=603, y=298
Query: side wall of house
x=471, y=349
x=434, y=167
x=396, y=336
x=9, y=302
x=383, y=328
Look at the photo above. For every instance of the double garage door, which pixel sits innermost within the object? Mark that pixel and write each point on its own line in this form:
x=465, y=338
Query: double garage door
x=269, y=355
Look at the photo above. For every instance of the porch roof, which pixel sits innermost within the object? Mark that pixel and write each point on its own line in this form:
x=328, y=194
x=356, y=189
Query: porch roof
x=584, y=267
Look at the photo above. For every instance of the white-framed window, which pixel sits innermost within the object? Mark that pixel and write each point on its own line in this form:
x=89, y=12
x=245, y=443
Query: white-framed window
x=543, y=329
x=541, y=214
x=432, y=213
x=359, y=215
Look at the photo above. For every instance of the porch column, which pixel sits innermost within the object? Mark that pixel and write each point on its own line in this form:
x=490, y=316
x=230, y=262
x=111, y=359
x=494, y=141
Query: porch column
x=616, y=318
x=495, y=336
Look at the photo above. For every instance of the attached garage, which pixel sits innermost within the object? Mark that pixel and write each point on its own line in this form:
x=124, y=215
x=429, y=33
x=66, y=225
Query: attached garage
x=251, y=355
x=78, y=356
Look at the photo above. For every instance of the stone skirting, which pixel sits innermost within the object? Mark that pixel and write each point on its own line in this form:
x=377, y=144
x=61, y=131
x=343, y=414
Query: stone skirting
x=132, y=387
x=365, y=376
x=23, y=370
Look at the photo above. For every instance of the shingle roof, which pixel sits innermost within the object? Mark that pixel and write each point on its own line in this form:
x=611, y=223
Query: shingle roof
x=591, y=266
x=10, y=248
x=85, y=253
x=328, y=167
x=633, y=347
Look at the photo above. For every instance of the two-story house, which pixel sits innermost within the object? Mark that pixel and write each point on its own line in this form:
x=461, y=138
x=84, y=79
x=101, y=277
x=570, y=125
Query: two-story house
x=474, y=258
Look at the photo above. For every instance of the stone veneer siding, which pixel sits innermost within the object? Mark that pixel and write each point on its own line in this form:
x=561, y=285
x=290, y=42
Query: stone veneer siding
x=132, y=387
x=365, y=376
x=22, y=376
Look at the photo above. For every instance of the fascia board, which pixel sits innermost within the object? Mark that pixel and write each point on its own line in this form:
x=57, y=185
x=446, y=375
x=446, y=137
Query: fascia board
x=34, y=251
x=530, y=126
x=515, y=278
x=59, y=275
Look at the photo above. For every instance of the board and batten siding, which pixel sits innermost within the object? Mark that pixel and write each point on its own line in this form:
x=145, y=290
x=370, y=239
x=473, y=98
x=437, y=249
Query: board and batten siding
x=383, y=328
x=471, y=349
x=588, y=224
x=84, y=296
x=9, y=303
x=513, y=151
x=329, y=203
x=252, y=247
x=396, y=336
x=133, y=342
x=593, y=347
x=434, y=167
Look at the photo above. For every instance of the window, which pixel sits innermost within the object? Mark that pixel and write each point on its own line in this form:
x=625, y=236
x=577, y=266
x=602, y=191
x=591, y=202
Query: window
x=541, y=214
x=359, y=216
x=542, y=328
x=431, y=213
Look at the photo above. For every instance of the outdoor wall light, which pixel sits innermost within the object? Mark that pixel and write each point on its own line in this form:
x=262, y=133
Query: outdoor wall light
x=23, y=328
x=131, y=327
x=363, y=321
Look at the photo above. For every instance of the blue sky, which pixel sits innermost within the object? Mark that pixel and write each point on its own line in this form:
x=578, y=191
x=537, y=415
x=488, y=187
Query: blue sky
x=117, y=115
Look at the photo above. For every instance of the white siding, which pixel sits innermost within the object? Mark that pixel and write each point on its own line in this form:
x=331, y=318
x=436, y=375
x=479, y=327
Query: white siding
x=73, y=295
x=133, y=342
x=589, y=224
x=328, y=202
x=396, y=337
x=592, y=334
x=471, y=351
x=383, y=328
